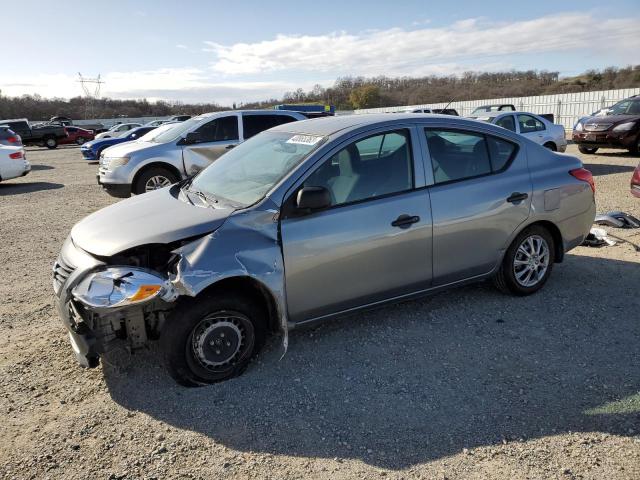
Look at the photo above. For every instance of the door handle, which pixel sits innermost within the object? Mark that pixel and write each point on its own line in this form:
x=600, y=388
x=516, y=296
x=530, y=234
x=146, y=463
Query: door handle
x=517, y=197
x=405, y=221
x=229, y=147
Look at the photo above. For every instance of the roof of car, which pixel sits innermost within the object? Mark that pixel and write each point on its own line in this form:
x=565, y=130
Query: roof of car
x=505, y=112
x=329, y=125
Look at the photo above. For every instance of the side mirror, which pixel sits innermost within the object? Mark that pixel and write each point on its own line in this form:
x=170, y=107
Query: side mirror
x=191, y=138
x=313, y=198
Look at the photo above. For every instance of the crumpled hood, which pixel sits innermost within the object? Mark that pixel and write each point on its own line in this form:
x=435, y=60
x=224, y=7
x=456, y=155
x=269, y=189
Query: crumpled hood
x=154, y=217
x=129, y=147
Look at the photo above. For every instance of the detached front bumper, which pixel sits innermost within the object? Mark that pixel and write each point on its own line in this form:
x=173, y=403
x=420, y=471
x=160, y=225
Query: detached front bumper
x=606, y=139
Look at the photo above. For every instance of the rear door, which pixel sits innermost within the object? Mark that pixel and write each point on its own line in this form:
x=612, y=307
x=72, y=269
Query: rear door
x=373, y=242
x=481, y=193
x=532, y=128
x=216, y=137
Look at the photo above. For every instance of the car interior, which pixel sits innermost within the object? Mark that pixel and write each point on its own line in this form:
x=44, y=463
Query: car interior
x=369, y=168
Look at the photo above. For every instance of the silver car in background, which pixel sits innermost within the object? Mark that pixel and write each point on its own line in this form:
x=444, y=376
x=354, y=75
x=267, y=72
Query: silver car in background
x=530, y=125
x=312, y=220
x=182, y=151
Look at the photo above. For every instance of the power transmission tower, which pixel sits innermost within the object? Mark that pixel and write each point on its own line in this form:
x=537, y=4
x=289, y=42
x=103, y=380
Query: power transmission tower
x=91, y=89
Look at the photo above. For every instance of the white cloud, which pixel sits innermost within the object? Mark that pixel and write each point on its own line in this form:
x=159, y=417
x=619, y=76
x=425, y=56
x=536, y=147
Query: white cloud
x=399, y=51
x=181, y=46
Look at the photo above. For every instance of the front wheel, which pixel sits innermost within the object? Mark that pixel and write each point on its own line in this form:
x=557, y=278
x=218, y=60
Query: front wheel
x=211, y=339
x=80, y=140
x=528, y=262
x=587, y=150
x=551, y=146
x=154, y=178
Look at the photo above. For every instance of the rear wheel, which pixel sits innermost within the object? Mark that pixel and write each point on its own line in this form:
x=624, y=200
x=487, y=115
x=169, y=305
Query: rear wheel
x=528, y=262
x=212, y=339
x=587, y=150
x=551, y=146
x=154, y=178
x=80, y=140
x=635, y=150
x=50, y=142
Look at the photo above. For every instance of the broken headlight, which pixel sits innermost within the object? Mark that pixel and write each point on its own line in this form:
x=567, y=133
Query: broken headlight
x=122, y=286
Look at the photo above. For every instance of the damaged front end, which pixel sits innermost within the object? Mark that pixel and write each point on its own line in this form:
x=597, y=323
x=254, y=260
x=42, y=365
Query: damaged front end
x=106, y=306
x=124, y=300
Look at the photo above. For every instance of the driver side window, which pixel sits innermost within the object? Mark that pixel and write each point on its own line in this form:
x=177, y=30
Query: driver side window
x=369, y=168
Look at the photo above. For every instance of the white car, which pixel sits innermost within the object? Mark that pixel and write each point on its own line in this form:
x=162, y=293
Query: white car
x=118, y=130
x=13, y=162
x=530, y=125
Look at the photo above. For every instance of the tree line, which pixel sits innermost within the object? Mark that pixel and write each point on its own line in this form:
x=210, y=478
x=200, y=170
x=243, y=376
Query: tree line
x=347, y=93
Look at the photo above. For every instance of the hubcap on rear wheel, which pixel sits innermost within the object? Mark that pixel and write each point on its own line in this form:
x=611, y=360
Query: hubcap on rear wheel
x=50, y=142
x=219, y=340
x=156, y=182
x=531, y=261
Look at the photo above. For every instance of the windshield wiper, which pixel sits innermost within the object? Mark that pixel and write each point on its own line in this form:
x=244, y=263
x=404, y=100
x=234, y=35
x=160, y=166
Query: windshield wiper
x=203, y=196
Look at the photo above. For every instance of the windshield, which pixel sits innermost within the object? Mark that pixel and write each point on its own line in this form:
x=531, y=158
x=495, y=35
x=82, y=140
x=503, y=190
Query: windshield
x=625, y=107
x=150, y=136
x=249, y=171
x=178, y=130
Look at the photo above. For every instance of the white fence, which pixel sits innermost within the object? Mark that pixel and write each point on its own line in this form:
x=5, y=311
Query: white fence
x=566, y=107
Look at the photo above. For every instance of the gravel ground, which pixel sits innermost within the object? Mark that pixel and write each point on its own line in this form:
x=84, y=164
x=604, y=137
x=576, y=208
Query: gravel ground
x=465, y=384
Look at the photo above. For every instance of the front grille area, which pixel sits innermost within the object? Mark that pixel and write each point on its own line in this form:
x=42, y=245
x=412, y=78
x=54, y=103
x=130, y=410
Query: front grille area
x=597, y=127
x=62, y=269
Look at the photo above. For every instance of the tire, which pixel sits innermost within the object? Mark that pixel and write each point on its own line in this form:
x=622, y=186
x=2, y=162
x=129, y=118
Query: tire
x=512, y=277
x=587, y=150
x=153, y=178
x=80, y=140
x=236, y=325
x=551, y=146
x=635, y=150
x=51, y=143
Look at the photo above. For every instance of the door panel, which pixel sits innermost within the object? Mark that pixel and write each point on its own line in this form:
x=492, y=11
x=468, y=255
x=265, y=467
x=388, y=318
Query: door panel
x=373, y=242
x=351, y=255
x=218, y=137
x=472, y=219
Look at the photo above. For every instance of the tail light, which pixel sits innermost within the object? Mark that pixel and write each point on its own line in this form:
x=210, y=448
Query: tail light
x=13, y=140
x=15, y=155
x=584, y=175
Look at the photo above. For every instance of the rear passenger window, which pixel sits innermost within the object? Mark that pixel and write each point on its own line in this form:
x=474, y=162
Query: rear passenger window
x=507, y=122
x=458, y=155
x=500, y=152
x=367, y=169
x=529, y=124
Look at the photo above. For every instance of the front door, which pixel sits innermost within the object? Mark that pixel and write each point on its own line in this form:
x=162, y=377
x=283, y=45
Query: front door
x=373, y=243
x=214, y=139
x=481, y=194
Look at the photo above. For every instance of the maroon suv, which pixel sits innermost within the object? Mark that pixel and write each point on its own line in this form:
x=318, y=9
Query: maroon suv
x=619, y=128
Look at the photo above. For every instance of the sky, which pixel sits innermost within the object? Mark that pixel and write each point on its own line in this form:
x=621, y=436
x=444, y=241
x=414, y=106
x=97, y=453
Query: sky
x=226, y=52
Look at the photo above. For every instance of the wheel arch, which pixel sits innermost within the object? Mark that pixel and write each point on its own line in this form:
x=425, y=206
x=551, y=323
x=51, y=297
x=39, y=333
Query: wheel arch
x=251, y=288
x=155, y=164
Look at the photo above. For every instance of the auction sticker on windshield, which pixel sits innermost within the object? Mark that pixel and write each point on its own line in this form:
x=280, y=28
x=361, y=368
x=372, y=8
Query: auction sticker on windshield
x=304, y=139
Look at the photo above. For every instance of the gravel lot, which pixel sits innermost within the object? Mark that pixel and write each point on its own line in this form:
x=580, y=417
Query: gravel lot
x=465, y=384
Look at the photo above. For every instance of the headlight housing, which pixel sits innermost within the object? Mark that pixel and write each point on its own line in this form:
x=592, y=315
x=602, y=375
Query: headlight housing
x=116, y=162
x=578, y=127
x=117, y=287
x=624, y=127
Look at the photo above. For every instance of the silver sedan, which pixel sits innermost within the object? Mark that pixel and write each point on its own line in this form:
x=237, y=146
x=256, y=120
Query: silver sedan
x=312, y=220
x=530, y=125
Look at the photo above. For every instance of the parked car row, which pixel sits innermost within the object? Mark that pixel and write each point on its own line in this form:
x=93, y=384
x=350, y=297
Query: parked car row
x=47, y=135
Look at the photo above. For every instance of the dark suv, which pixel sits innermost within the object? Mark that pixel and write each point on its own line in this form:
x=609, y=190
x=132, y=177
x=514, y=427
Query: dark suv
x=619, y=128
